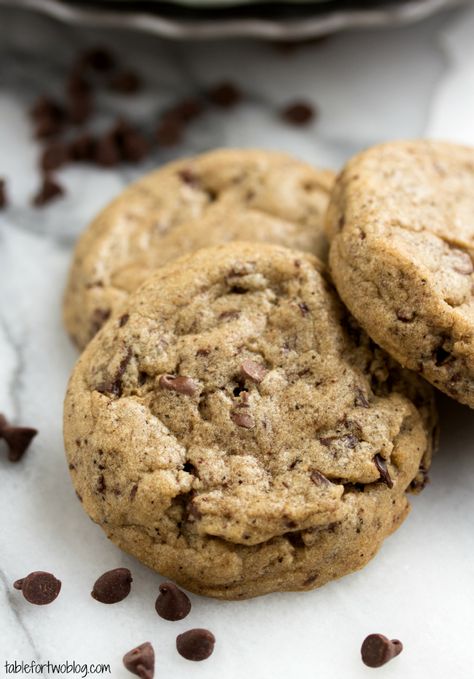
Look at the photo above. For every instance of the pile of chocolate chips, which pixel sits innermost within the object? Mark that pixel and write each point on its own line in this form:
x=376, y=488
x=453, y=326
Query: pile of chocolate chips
x=60, y=125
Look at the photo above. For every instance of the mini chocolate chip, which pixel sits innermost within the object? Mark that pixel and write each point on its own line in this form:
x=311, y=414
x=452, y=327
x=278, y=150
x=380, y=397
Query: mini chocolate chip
x=304, y=308
x=382, y=468
x=134, y=146
x=377, y=650
x=169, y=132
x=79, y=108
x=113, y=586
x=3, y=194
x=49, y=190
x=319, y=479
x=253, y=370
x=298, y=113
x=225, y=94
x=125, y=82
x=39, y=588
x=360, y=399
x=17, y=439
x=98, y=59
x=107, y=152
x=141, y=661
x=242, y=419
x=195, y=644
x=181, y=384
x=172, y=603
x=55, y=155
x=82, y=148
x=186, y=110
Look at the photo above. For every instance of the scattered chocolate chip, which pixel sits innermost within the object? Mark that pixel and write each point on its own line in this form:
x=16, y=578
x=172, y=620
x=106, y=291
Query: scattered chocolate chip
x=186, y=110
x=169, y=132
x=47, y=126
x=172, y=603
x=76, y=84
x=82, y=148
x=3, y=195
x=181, y=384
x=298, y=113
x=113, y=586
x=242, y=419
x=17, y=439
x=44, y=106
x=80, y=108
x=98, y=59
x=195, y=644
x=377, y=650
x=39, y=588
x=382, y=468
x=225, y=95
x=49, y=190
x=55, y=155
x=134, y=147
x=141, y=661
x=107, y=152
x=253, y=370
x=125, y=82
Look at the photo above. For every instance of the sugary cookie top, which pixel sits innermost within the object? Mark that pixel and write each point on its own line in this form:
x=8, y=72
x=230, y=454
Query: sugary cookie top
x=214, y=198
x=235, y=398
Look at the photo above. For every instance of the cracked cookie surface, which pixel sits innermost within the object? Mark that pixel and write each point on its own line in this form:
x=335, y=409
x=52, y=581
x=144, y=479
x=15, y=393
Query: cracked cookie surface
x=238, y=432
x=214, y=198
x=402, y=245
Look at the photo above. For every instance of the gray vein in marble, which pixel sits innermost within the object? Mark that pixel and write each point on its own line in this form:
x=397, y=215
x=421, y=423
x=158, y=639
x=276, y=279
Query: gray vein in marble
x=17, y=370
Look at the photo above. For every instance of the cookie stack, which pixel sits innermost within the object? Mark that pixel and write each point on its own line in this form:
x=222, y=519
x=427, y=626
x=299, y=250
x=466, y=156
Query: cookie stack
x=232, y=421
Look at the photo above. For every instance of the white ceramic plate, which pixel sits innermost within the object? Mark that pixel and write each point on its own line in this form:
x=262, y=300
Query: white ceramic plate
x=289, y=21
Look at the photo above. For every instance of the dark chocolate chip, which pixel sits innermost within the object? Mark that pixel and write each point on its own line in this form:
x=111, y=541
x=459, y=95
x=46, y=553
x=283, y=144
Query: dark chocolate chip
x=44, y=106
x=49, y=190
x=47, y=126
x=195, y=644
x=377, y=650
x=169, y=132
x=181, y=384
x=304, y=308
x=76, y=84
x=383, y=471
x=123, y=320
x=39, y=588
x=186, y=110
x=360, y=399
x=242, y=419
x=17, y=439
x=82, y=148
x=80, y=108
x=172, y=603
x=107, y=151
x=225, y=94
x=3, y=195
x=254, y=371
x=125, y=82
x=134, y=147
x=99, y=317
x=98, y=59
x=298, y=113
x=113, y=586
x=141, y=661
x=319, y=479
x=55, y=155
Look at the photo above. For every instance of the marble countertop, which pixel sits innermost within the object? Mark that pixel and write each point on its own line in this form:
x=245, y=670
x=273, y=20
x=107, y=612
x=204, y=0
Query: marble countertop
x=368, y=86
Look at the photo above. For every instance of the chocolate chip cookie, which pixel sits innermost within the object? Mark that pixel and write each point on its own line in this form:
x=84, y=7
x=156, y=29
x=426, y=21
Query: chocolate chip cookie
x=238, y=432
x=402, y=244
x=214, y=198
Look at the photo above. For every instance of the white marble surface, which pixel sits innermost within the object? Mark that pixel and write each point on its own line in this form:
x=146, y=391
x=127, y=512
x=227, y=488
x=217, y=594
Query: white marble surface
x=369, y=87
